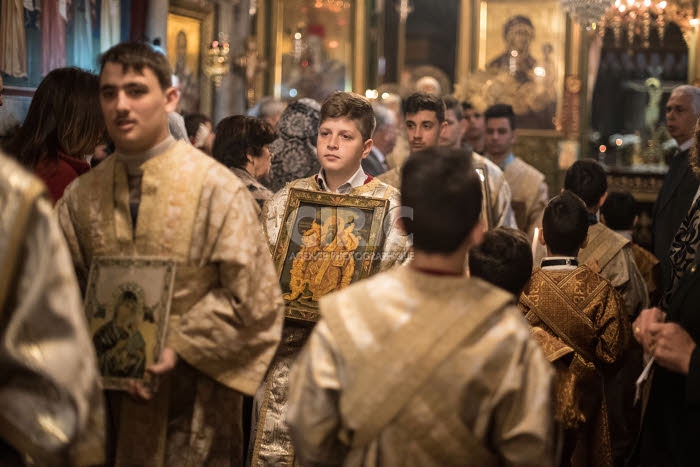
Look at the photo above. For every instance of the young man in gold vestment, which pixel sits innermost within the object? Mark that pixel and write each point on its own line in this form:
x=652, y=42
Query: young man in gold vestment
x=51, y=408
x=344, y=139
x=421, y=365
x=611, y=255
x=577, y=318
x=160, y=197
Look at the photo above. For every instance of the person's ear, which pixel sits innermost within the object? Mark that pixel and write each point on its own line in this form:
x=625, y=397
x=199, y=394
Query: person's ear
x=540, y=237
x=172, y=97
x=601, y=202
x=367, y=147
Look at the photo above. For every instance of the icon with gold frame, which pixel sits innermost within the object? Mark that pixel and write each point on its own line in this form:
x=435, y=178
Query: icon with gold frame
x=327, y=242
x=127, y=304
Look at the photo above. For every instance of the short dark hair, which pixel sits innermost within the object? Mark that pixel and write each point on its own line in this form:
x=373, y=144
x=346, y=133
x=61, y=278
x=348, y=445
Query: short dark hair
x=137, y=56
x=501, y=111
x=619, y=210
x=422, y=101
x=466, y=105
x=192, y=122
x=444, y=193
x=586, y=179
x=351, y=106
x=504, y=258
x=565, y=224
x=237, y=136
x=453, y=104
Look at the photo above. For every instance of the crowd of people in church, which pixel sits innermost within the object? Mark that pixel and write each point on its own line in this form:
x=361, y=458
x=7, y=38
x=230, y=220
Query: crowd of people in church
x=502, y=323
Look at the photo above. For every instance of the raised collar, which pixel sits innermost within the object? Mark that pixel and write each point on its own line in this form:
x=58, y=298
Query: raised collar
x=133, y=162
x=357, y=180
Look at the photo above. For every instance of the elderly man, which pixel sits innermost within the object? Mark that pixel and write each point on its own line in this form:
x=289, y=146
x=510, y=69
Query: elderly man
x=680, y=184
x=384, y=138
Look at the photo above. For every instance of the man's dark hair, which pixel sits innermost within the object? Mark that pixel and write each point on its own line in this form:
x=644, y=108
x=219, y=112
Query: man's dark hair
x=237, y=136
x=586, y=179
x=504, y=258
x=422, y=101
x=137, y=56
x=453, y=104
x=444, y=193
x=353, y=107
x=192, y=122
x=619, y=210
x=501, y=111
x=466, y=105
x=565, y=224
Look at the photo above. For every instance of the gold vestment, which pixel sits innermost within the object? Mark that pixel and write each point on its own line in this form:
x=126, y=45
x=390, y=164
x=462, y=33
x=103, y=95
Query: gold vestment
x=528, y=194
x=226, y=313
x=486, y=401
x=270, y=442
x=51, y=407
x=578, y=319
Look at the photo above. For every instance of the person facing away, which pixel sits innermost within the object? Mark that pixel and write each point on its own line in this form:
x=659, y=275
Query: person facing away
x=51, y=408
x=680, y=186
x=503, y=258
x=382, y=380
x=160, y=197
x=607, y=253
x=527, y=185
x=578, y=319
x=497, y=191
x=295, y=146
x=63, y=126
x=243, y=145
x=344, y=139
x=619, y=213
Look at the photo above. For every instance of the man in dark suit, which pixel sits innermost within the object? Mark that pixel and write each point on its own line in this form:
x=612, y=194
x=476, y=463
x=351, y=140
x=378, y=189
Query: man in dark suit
x=384, y=139
x=680, y=184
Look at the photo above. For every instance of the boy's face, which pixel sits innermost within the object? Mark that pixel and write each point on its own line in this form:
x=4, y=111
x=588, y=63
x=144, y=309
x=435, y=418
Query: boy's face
x=423, y=130
x=340, y=146
x=499, y=137
x=135, y=107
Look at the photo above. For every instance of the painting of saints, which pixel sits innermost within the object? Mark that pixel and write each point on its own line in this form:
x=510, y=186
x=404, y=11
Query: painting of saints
x=326, y=260
x=120, y=346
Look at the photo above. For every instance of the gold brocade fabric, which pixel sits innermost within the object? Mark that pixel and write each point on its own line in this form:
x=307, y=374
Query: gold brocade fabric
x=500, y=402
x=270, y=442
x=610, y=255
x=528, y=194
x=578, y=319
x=226, y=312
x=51, y=408
x=648, y=266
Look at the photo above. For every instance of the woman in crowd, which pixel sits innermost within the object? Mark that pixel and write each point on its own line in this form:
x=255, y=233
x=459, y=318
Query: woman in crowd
x=296, y=145
x=63, y=126
x=241, y=144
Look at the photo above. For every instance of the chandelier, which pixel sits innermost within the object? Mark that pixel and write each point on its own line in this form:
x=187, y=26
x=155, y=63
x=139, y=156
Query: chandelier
x=586, y=12
x=632, y=18
x=216, y=61
x=334, y=6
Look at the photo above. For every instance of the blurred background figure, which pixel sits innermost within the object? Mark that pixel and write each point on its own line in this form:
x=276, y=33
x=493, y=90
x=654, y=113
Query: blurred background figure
x=270, y=110
x=242, y=145
x=429, y=85
x=295, y=145
x=200, y=132
x=64, y=124
x=384, y=138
